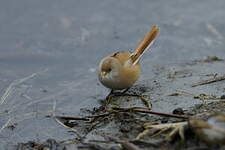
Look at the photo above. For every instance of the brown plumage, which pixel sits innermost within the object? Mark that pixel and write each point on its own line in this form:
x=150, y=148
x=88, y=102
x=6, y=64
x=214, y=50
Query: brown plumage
x=121, y=70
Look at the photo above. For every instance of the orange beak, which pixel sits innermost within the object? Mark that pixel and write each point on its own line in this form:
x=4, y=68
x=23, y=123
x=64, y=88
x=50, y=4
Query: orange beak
x=103, y=73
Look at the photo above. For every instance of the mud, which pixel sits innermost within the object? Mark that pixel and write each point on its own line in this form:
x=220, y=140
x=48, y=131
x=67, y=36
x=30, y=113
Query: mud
x=162, y=89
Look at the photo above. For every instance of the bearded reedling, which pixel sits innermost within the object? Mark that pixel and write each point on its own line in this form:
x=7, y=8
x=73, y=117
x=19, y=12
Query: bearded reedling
x=121, y=70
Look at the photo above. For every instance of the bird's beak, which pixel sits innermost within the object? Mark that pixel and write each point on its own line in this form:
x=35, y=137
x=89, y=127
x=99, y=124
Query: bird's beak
x=103, y=73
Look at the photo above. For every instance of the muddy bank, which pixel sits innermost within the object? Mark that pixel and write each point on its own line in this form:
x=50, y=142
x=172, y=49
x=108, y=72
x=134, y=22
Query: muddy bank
x=185, y=89
x=120, y=131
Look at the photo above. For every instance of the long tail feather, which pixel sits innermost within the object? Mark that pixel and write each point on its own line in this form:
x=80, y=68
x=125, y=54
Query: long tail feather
x=144, y=44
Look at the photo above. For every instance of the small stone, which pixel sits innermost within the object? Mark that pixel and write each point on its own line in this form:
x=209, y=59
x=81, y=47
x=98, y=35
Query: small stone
x=30, y=144
x=164, y=120
x=174, y=94
x=44, y=90
x=178, y=111
x=222, y=97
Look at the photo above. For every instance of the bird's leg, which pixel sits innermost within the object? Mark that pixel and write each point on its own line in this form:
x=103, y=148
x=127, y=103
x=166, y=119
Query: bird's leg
x=110, y=94
x=107, y=101
x=113, y=93
x=123, y=93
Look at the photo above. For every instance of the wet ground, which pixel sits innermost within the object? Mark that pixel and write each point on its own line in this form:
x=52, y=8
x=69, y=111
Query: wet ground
x=50, y=50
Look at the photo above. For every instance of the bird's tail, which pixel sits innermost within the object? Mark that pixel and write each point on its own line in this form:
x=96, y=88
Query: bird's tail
x=144, y=45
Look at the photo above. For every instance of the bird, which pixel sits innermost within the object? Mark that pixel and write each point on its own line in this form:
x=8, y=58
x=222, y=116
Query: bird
x=120, y=70
x=210, y=131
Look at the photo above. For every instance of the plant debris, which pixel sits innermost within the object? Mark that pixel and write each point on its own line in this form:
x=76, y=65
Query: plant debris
x=125, y=122
x=50, y=144
x=203, y=82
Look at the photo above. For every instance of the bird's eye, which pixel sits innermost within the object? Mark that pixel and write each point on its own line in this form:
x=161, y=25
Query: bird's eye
x=109, y=70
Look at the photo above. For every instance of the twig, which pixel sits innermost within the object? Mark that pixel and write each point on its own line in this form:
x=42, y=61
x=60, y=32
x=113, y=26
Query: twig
x=129, y=146
x=125, y=144
x=162, y=128
x=116, y=110
x=144, y=143
x=62, y=124
x=72, y=118
x=100, y=141
x=5, y=125
x=214, y=31
x=144, y=110
x=101, y=115
x=91, y=146
x=147, y=103
x=10, y=88
x=78, y=135
x=203, y=97
x=135, y=142
x=203, y=82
